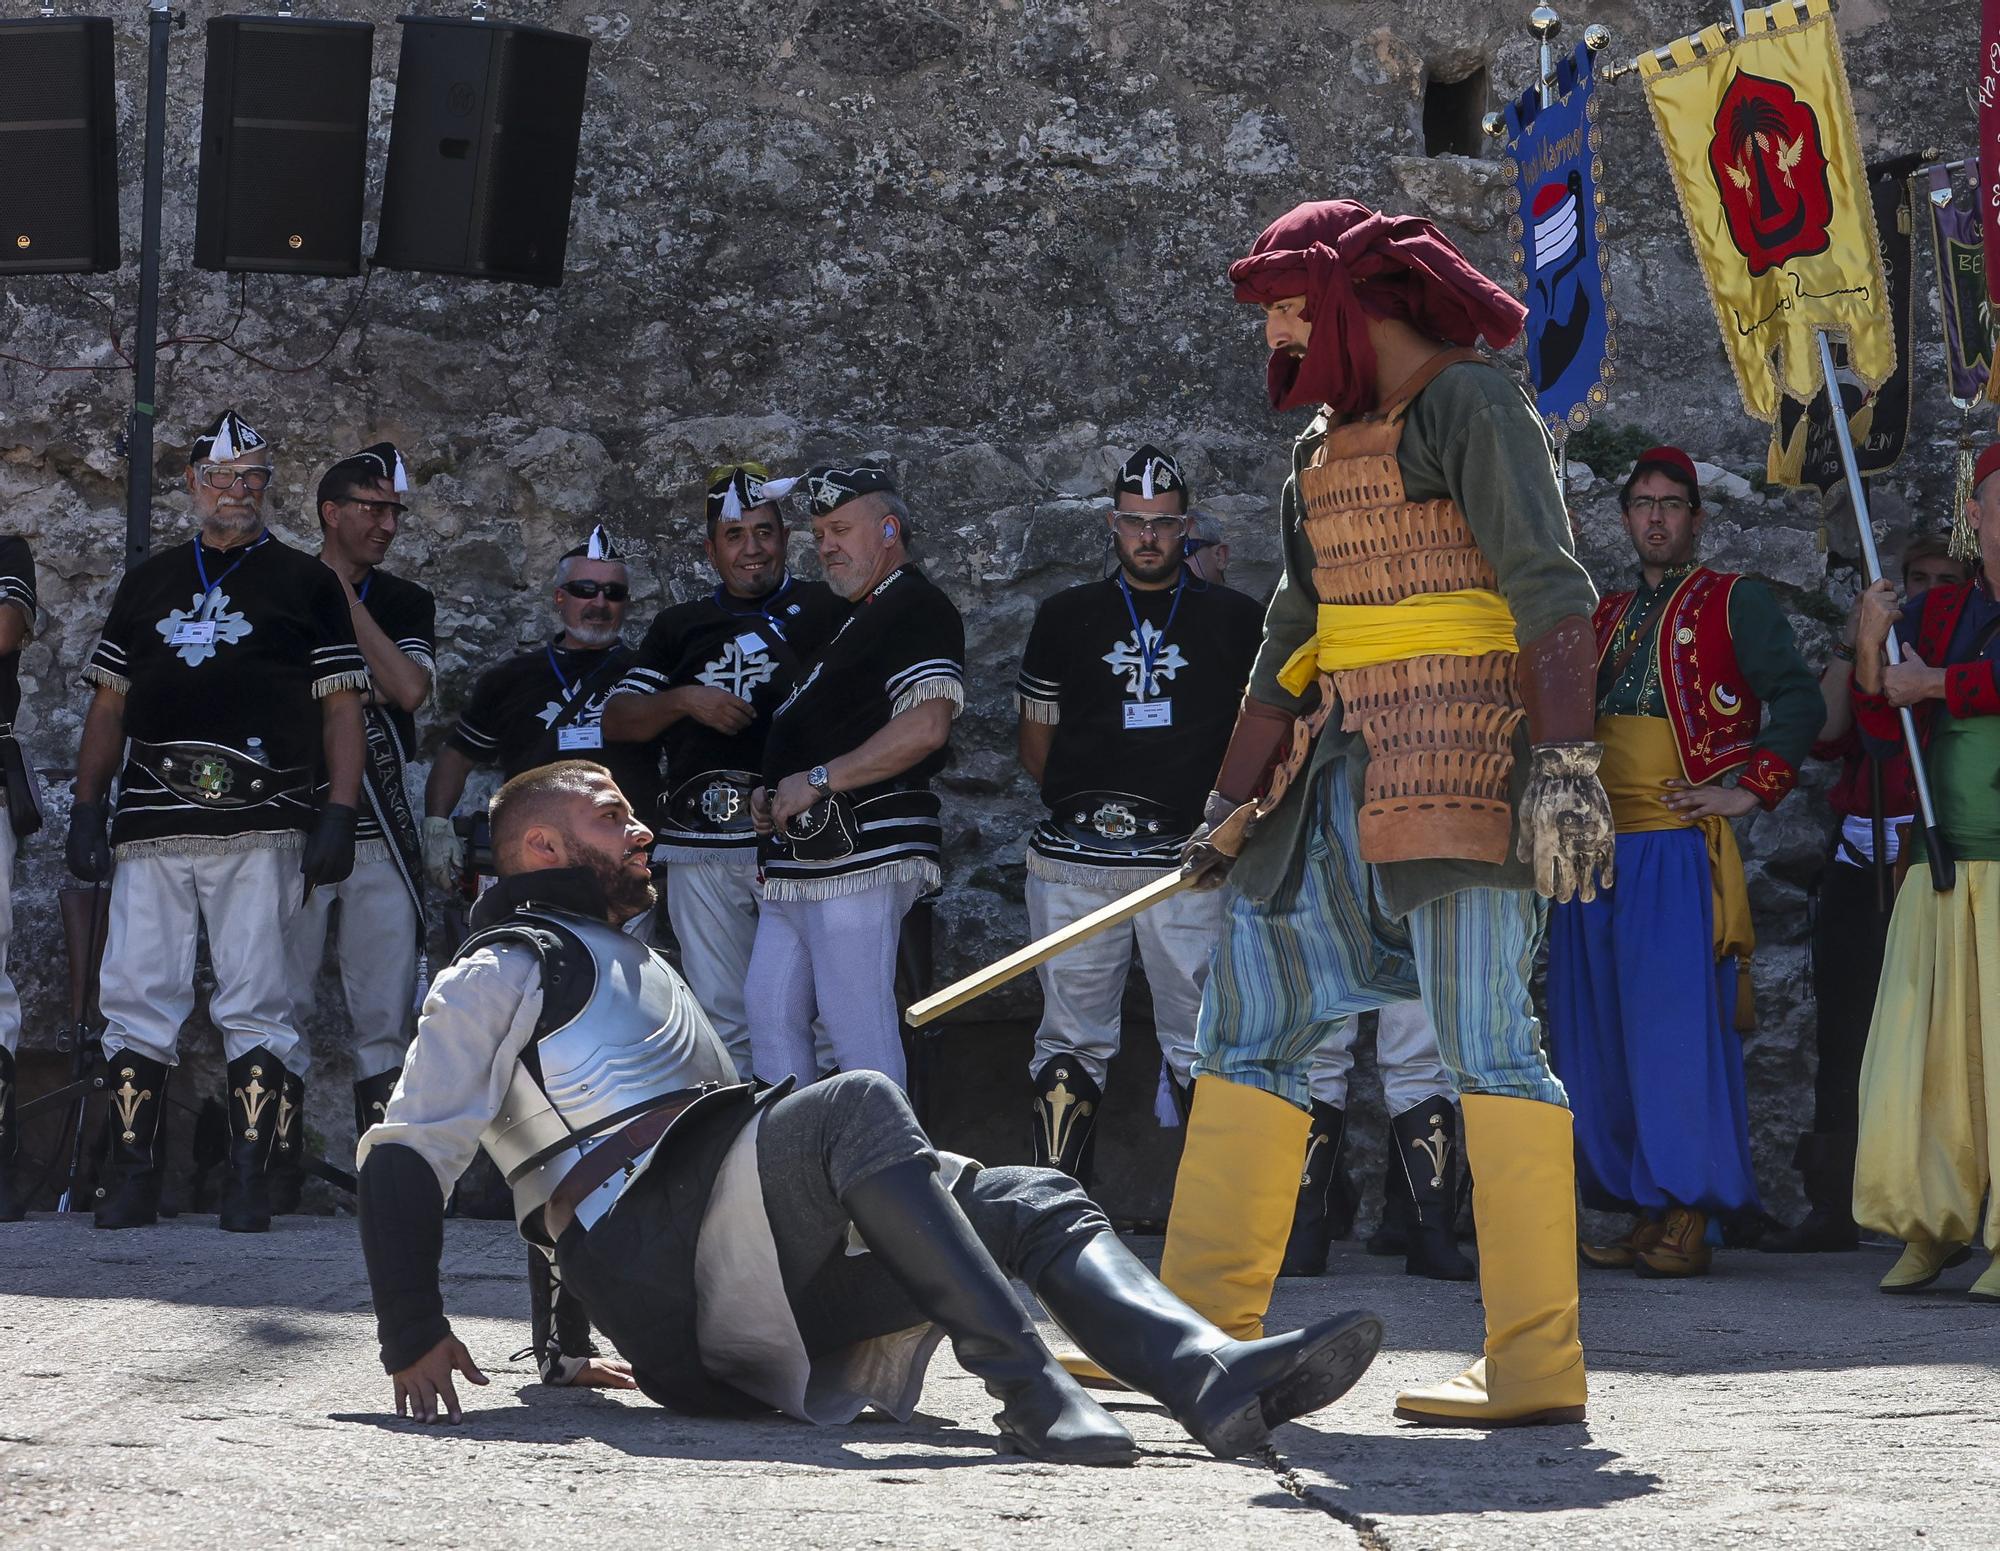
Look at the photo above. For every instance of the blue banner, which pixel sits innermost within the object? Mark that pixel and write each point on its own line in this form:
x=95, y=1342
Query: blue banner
x=1559, y=254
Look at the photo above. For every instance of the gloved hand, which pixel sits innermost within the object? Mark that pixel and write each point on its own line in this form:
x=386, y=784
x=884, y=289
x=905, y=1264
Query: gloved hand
x=1201, y=858
x=330, y=847
x=86, y=849
x=1567, y=834
x=444, y=854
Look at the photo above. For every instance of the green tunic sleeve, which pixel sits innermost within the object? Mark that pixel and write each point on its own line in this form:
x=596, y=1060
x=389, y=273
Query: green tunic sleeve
x=1293, y=617
x=1774, y=670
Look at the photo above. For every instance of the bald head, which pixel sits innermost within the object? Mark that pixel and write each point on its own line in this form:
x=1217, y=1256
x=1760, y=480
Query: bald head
x=572, y=814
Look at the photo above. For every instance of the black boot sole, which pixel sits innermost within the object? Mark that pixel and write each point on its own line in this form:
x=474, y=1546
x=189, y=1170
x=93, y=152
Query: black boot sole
x=1106, y=1453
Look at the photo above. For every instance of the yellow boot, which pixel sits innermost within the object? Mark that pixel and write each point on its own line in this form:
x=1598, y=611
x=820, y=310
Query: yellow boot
x=1234, y=1199
x=1987, y=1288
x=1922, y=1262
x=1233, y=1203
x=1524, y=1202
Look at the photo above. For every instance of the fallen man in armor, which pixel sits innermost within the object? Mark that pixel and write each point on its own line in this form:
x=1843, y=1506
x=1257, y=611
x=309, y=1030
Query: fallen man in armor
x=751, y=1248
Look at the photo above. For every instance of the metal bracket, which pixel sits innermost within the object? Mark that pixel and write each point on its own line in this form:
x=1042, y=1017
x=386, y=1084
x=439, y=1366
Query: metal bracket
x=479, y=10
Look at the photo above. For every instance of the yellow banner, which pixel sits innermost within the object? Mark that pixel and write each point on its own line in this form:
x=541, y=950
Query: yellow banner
x=1760, y=137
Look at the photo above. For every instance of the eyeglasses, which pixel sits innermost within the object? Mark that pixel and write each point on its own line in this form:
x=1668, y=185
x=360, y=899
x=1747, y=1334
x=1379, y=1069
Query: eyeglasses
x=223, y=476
x=614, y=592
x=1665, y=505
x=377, y=508
x=1135, y=525
x=1194, y=547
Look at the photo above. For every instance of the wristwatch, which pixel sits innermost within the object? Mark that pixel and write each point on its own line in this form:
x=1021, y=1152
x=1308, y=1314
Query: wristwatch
x=819, y=780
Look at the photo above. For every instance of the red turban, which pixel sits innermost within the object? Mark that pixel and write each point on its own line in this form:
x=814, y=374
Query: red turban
x=1351, y=263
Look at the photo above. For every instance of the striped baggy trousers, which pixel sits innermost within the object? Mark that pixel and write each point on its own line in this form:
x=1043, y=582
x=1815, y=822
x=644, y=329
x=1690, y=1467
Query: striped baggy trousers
x=1289, y=969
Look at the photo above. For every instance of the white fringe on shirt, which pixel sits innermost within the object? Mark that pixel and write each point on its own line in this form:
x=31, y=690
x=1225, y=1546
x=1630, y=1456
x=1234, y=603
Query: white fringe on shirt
x=334, y=683
x=104, y=678
x=909, y=869
x=1047, y=712
x=1079, y=875
x=211, y=845
x=939, y=688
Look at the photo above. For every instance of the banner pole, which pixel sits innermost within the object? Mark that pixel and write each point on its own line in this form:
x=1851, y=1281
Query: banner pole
x=1544, y=23
x=1943, y=871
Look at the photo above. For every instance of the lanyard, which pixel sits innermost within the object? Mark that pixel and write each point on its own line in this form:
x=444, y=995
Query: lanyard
x=361, y=596
x=721, y=599
x=1149, y=651
x=201, y=568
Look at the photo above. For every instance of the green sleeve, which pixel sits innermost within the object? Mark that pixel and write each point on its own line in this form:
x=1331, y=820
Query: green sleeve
x=1293, y=617
x=1769, y=657
x=1477, y=441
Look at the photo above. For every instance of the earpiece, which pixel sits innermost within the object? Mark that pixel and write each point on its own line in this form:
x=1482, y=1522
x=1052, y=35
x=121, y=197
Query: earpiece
x=888, y=529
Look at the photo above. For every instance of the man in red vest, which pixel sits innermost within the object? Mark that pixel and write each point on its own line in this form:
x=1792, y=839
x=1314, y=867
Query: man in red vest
x=1698, y=678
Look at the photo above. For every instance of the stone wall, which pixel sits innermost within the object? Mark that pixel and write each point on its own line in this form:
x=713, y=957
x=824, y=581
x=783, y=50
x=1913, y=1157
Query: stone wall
x=985, y=239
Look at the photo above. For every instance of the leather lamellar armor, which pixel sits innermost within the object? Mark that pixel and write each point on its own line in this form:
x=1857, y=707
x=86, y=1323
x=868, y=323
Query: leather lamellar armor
x=1439, y=729
x=619, y=1032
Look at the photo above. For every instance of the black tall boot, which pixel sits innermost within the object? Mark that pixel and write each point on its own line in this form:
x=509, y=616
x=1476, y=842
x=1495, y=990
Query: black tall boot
x=1066, y=1107
x=129, y=1195
x=922, y=1238
x=1392, y=1234
x=371, y=1099
x=1826, y=1164
x=1426, y=1139
x=288, y=1153
x=255, y=1088
x=1228, y=1394
x=12, y=1208
x=1312, y=1227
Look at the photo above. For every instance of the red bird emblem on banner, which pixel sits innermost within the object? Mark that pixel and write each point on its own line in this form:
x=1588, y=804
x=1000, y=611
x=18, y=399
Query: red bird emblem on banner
x=1770, y=169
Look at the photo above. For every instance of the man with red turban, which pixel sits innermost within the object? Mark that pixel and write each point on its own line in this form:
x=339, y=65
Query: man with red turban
x=1433, y=628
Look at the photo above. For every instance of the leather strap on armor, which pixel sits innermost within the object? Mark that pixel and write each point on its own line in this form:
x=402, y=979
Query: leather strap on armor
x=1262, y=737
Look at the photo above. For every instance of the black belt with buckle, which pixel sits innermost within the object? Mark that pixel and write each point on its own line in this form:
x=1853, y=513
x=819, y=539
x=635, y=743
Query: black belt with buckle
x=213, y=776
x=716, y=802
x=1118, y=821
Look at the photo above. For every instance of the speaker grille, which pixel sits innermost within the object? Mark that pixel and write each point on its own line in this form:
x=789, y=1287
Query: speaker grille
x=283, y=146
x=58, y=158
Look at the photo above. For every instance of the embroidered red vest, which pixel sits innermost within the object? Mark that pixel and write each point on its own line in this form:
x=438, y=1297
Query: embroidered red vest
x=1711, y=709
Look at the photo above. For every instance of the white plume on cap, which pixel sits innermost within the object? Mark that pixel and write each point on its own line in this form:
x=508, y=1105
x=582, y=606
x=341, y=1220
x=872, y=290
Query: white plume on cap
x=230, y=437
x=600, y=545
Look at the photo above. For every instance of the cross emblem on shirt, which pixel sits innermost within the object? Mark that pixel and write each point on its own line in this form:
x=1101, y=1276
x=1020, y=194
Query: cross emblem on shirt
x=736, y=672
x=1129, y=656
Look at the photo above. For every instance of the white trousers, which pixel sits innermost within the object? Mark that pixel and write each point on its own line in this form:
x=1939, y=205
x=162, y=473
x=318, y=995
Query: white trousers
x=713, y=906
x=1082, y=989
x=378, y=963
x=838, y=956
x=1406, y=1055
x=10, y=998
x=247, y=900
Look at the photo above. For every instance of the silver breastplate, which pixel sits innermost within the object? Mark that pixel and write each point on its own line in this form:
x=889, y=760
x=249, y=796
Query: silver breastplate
x=637, y=1036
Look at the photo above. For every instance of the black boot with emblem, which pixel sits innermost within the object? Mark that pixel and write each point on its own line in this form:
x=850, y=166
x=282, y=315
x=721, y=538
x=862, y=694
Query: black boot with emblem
x=288, y=1153
x=1312, y=1224
x=1066, y=1106
x=128, y=1196
x=12, y=1207
x=1426, y=1140
x=256, y=1088
x=371, y=1099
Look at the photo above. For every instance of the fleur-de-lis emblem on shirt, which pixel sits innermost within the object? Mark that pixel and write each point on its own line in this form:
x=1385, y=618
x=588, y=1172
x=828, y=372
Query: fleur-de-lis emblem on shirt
x=1129, y=657
x=738, y=674
x=230, y=626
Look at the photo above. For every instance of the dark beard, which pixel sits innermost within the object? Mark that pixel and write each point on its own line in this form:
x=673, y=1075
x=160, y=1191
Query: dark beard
x=624, y=895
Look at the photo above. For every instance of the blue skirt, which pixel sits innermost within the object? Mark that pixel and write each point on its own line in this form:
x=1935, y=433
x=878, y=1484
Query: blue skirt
x=1641, y=1029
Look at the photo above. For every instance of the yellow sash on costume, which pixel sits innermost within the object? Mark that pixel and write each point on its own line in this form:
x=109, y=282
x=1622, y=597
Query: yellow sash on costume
x=1468, y=623
x=1639, y=760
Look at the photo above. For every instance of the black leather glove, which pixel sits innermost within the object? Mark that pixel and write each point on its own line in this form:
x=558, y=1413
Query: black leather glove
x=86, y=849
x=329, y=854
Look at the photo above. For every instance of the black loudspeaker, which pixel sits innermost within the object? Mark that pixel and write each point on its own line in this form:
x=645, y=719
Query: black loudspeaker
x=284, y=142
x=58, y=147
x=482, y=151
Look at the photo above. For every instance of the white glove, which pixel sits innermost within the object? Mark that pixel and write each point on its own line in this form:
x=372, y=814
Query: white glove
x=444, y=854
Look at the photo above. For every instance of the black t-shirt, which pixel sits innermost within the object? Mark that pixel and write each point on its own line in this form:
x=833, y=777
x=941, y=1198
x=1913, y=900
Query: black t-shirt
x=901, y=645
x=510, y=719
x=233, y=647
x=407, y=615
x=1159, y=738
x=17, y=586
x=751, y=650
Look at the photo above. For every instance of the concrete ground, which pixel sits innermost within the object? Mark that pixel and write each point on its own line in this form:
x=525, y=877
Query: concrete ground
x=180, y=1386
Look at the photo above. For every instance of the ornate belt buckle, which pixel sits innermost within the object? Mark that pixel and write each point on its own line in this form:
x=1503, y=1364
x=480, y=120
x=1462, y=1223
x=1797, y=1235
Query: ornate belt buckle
x=721, y=802
x=210, y=776
x=1115, y=821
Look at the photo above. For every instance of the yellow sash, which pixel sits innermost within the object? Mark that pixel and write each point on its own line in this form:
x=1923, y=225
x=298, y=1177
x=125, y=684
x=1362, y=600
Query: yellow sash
x=1467, y=623
x=1639, y=760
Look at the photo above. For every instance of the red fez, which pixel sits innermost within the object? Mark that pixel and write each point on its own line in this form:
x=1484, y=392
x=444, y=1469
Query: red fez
x=1671, y=458
x=1989, y=461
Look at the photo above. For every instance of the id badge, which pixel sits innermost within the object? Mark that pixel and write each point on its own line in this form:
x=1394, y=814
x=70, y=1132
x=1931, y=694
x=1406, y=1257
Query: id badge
x=571, y=738
x=751, y=644
x=193, y=632
x=1148, y=713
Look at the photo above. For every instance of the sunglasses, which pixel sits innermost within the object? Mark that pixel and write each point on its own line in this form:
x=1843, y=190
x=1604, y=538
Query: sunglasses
x=221, y=476
x=376, y=509
x=614, y=592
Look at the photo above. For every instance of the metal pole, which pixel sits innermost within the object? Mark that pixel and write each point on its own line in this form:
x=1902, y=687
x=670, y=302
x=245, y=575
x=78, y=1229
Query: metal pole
x=1544, y=23
x=1943, y=871
x=139, y=433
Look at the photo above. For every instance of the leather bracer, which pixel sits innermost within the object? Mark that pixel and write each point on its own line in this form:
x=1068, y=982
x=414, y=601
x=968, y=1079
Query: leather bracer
x=1262, y=737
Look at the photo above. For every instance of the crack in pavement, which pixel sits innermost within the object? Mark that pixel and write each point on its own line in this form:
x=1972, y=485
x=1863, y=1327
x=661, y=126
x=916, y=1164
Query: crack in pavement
x=1367, y=1531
